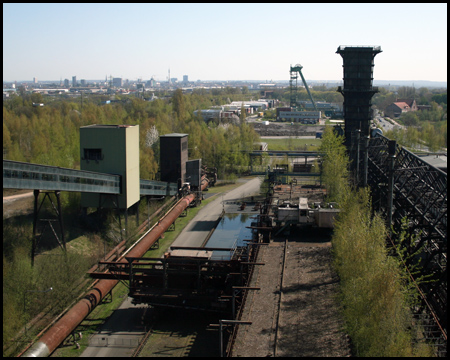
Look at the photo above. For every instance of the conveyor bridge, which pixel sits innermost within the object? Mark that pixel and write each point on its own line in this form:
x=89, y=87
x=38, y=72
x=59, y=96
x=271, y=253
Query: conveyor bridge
x=21, y=175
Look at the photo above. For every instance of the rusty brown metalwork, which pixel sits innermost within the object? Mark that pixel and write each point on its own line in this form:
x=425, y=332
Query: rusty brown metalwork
x=67, y=324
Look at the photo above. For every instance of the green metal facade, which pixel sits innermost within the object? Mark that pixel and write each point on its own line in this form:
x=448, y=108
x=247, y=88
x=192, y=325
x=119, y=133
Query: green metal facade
x=111, y=149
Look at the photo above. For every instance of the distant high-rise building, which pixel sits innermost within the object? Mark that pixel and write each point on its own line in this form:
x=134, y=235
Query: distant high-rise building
x=74, y=81
x=117, y=82
x=66, y=82
x=185, y=79
x=35, y=80
x=83, y=82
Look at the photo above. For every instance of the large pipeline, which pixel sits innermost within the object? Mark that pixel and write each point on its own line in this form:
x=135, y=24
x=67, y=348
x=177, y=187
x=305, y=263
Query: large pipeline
x=68, y=323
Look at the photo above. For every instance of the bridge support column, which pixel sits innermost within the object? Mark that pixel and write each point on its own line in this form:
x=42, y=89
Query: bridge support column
x=48, y=222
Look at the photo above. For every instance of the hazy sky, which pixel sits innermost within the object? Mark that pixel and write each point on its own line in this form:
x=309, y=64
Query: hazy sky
x=220, y=41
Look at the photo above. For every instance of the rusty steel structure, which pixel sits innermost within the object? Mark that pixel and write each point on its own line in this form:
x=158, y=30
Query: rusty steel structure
x=405, y=187
x=68, y=323
x=188, y=278
x=202, y=278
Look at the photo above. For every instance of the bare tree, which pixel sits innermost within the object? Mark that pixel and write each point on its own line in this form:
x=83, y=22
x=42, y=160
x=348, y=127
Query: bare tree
x=151, y=137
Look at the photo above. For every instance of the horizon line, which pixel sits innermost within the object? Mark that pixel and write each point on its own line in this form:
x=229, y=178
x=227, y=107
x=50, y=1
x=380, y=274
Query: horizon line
x=234, y=80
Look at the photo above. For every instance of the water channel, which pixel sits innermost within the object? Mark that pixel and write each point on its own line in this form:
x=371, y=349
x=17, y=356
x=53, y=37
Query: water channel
x=230, y=233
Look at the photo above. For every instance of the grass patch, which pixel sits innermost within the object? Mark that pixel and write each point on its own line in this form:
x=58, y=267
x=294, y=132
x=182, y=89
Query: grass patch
x=81, y=245
x=223, y=187
x=293, y=144
x=91, y=323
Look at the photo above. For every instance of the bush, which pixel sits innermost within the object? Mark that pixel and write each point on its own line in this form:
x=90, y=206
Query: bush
x=375, y=306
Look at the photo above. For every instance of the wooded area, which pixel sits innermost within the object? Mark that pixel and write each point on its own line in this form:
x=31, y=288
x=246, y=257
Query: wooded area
x=49, y=135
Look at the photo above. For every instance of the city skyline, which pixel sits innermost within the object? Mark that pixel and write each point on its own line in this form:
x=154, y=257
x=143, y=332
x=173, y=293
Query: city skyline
x=228, y=42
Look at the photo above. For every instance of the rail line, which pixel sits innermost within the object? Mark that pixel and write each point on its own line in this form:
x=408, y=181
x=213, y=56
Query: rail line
x=277, y=264
x=232, y=338
x=175, y=333
x=143, y=341
x=283, y=266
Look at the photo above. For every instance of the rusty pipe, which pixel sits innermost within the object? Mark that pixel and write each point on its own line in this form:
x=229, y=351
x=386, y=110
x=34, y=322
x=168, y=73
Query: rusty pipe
x=68, y=323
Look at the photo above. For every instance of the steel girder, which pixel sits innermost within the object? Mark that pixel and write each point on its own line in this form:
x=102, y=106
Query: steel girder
x=420, y=195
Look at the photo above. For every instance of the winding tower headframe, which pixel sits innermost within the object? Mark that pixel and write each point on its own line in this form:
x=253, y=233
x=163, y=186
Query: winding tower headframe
x=294, y=86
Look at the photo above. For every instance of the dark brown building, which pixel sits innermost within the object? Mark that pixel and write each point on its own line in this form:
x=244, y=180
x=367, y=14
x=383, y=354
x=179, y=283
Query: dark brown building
x=173, y=157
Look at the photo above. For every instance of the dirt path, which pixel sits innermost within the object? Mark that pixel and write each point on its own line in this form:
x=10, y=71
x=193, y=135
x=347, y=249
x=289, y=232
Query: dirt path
x=309, y=323
x=8, y=199
x=20, y=204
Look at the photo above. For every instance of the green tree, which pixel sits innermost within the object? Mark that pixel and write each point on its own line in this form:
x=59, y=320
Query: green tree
x=242, y=116
x=37, y=98
x=439, y=98
x=335, y=173
x=406, y=92
x=178, y=104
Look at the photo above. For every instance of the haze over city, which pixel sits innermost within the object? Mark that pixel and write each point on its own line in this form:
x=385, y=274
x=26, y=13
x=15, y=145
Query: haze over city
x=220, y=41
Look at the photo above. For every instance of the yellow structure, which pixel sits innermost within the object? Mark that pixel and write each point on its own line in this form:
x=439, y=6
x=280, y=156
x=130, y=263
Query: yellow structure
x=111, y=149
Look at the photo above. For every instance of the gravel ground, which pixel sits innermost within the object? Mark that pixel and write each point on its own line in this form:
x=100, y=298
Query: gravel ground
x=261, y=307
x=309, y=322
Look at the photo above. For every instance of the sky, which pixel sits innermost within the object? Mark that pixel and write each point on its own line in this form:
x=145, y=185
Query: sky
x=220, y=41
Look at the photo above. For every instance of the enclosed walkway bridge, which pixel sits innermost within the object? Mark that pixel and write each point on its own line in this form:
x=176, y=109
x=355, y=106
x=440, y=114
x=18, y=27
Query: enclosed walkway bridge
x=20, y=175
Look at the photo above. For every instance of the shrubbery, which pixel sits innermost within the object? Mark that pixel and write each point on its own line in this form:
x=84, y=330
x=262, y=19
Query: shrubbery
x=374, y=297
x=372, y=291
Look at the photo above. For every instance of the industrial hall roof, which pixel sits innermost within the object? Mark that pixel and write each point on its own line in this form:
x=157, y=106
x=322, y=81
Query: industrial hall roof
x=174, y=135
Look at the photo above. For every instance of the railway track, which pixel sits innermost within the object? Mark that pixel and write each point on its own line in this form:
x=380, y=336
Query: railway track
x=295, y=312
x=277, y=326
x=179, y=333
x=263, y=307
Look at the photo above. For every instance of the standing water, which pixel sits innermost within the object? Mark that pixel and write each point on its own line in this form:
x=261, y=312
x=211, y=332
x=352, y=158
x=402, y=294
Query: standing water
x=230, y=233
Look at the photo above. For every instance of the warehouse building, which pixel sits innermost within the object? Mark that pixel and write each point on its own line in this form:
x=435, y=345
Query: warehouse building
x=304, y=117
